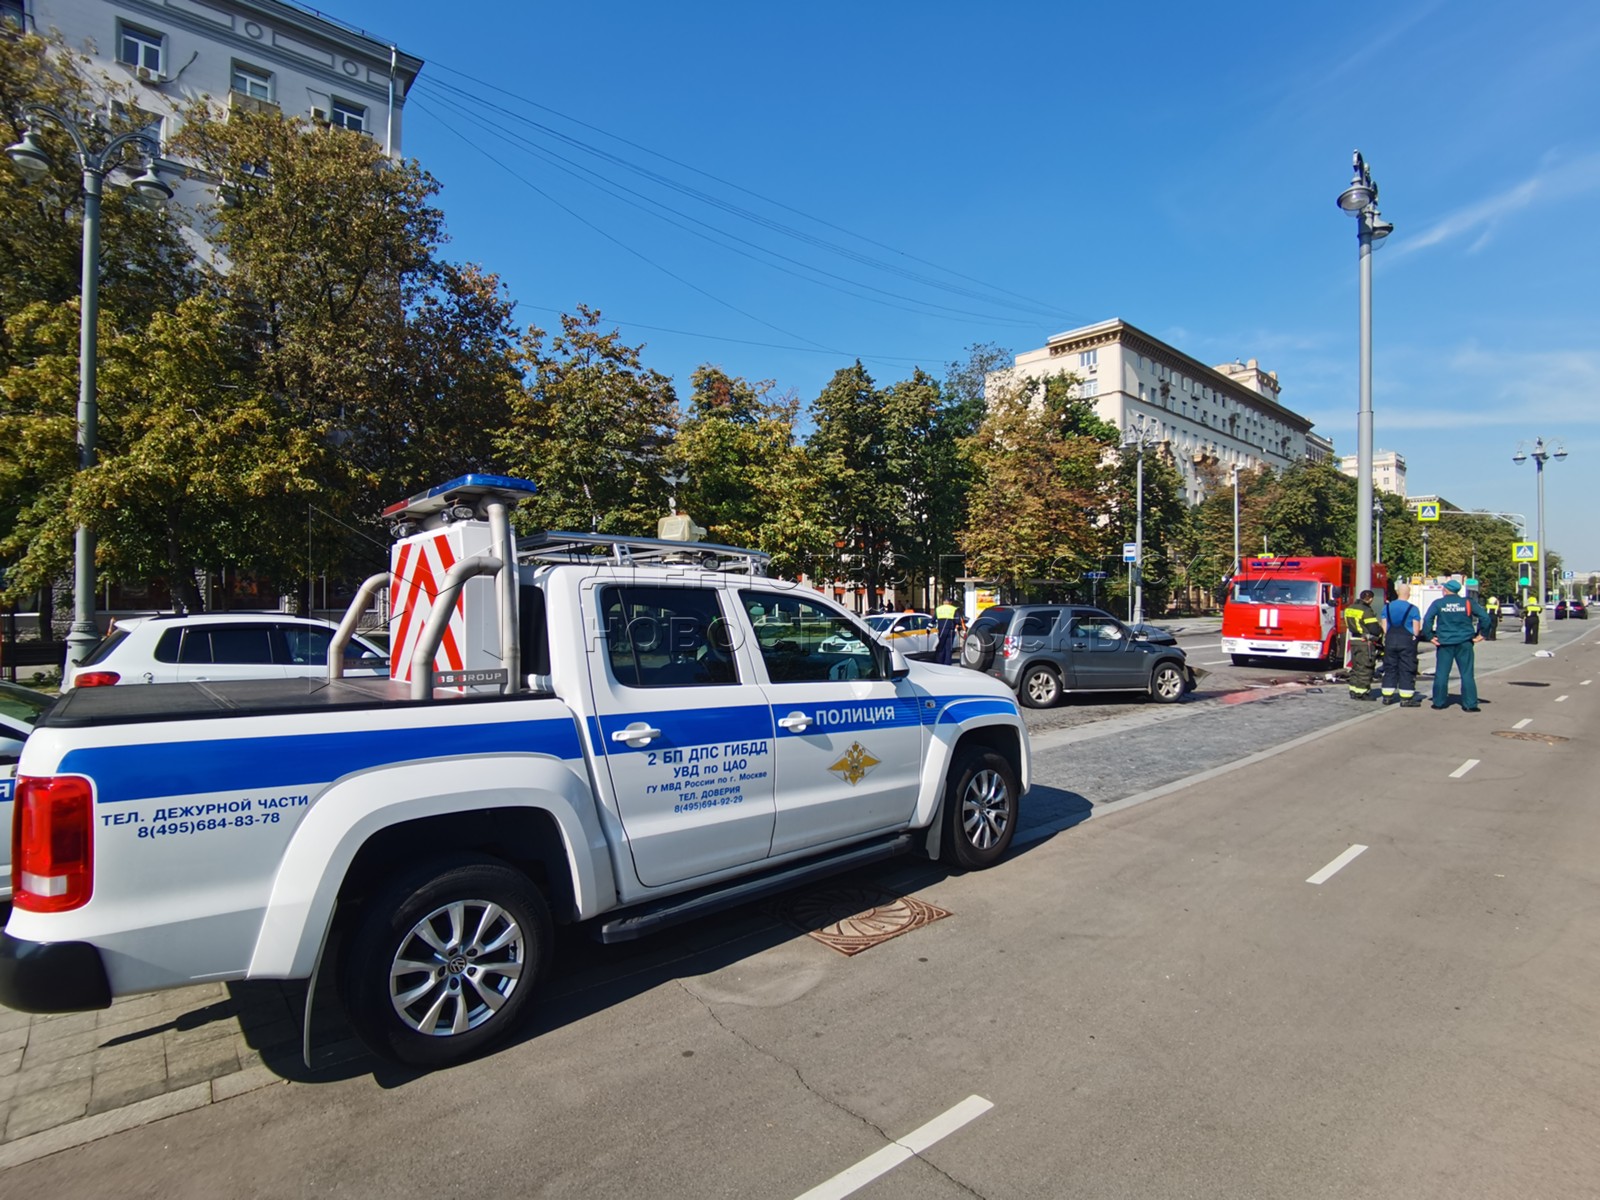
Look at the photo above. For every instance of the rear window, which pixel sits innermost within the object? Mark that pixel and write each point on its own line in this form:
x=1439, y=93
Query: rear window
x=991, y=618
x=1039, y=624
x=107, y=644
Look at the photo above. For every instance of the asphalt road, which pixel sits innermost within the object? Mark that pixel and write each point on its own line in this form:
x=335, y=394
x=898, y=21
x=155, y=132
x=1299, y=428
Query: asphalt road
x=1152, y=1002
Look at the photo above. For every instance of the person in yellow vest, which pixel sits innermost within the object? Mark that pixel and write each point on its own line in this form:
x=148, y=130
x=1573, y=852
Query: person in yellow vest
x=1493, y=605
x=946, y=615
x=1362, y=627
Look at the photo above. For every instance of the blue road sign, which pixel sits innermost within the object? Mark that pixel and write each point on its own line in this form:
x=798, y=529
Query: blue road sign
x=1094, y=574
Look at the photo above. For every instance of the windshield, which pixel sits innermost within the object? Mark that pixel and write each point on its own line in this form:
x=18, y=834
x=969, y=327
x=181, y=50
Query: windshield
x=1275, y=591
x=23, y=704
x=879, y=624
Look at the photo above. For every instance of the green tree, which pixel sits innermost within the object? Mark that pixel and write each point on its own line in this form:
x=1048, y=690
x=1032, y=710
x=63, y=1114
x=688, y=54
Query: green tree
x=1166, y=519
x=850, y=456
x=144, y=270
x=594, y=428
x=1037, y=503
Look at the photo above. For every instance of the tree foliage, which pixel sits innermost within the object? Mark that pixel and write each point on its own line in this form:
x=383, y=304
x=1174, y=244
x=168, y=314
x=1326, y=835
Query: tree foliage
x=593, y=427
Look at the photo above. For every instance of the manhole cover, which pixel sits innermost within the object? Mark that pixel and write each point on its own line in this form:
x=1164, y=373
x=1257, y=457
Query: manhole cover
x=853, y=919
x=1527, y=683
x=1522, y=735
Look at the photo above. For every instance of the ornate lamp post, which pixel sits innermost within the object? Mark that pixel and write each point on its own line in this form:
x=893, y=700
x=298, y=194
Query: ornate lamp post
x=1540, y=456
x=1360, y=200
x=33, y=164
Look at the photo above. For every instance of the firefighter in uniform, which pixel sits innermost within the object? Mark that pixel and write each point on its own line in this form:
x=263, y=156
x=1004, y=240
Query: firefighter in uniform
x=1454, y=625
x=1402, y=621
x=1362, y=627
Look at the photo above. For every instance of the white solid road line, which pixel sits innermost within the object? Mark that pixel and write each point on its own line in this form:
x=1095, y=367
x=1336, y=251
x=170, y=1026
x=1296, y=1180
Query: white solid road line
x=890, y=1157
x=1337, y=865
x=1216, y=662
x=1524, y=723
x=1464, y=768
x=1559, y=699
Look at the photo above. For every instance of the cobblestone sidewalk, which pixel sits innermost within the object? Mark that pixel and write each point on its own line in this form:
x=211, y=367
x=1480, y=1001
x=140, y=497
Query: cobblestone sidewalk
x=63, y=1068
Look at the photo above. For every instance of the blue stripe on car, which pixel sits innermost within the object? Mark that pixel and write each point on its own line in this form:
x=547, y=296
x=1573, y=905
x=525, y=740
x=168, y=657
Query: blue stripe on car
x=159, y=770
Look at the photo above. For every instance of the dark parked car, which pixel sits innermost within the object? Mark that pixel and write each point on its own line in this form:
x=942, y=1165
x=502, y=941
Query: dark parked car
x=1044, y=651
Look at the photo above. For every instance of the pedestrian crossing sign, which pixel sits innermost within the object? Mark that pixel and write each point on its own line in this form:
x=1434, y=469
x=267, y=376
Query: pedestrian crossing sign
x=1427, y=512
x=1524, y=552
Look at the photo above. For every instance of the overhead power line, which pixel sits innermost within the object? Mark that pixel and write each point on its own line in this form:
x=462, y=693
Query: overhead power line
x=1030, y=304
x=712, y=233
x=640, y=255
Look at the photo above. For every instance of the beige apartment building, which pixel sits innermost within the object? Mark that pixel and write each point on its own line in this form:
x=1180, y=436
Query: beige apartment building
x=1217, y=416
x=1388, y=470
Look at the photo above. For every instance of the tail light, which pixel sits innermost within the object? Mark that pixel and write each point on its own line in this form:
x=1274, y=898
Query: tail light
x=52, y=843
x=1010, y=648
x=95, y=679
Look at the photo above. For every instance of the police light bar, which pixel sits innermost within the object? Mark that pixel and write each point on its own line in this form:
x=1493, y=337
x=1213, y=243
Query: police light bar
x=465, y=487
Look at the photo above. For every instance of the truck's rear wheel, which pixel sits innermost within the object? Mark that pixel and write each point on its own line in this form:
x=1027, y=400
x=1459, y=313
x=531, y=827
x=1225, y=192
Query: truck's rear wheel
x=442, y=964
x=980, y=809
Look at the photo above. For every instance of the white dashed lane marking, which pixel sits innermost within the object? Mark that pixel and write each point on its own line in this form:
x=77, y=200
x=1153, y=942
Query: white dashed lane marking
x=1586, y=683
x=1524, y=723
x=1464, y=768
x=1337, y=865
x=891, y=1156
x=1559, y=699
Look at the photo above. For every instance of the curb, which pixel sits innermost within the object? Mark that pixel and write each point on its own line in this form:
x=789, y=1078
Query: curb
x=144, y=1112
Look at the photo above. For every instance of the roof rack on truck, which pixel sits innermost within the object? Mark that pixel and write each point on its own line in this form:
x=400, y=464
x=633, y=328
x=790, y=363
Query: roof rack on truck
x=632, y=551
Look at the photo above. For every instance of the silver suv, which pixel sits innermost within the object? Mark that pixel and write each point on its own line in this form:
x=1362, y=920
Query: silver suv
x=1044, y=651
x=188, y=648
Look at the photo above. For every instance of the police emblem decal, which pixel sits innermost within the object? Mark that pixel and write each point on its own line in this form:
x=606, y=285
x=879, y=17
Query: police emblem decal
x=855, y=764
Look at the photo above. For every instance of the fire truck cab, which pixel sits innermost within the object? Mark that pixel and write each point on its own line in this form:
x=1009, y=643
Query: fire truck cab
x=1291, y=608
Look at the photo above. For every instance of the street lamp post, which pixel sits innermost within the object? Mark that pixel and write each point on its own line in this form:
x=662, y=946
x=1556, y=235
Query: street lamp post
x=1360, y=200
x=33, y=164
x=1425, y=555
x=1377, y=529
x=1234, y=570
x=1137, y=439
x=1541, y=454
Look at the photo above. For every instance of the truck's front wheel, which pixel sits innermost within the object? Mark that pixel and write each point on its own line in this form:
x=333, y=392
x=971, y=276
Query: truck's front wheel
x=443, y=963
x=980, y=809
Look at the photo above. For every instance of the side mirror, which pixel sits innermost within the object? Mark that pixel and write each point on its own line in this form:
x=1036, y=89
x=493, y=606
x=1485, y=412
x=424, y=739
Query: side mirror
x=892, y=662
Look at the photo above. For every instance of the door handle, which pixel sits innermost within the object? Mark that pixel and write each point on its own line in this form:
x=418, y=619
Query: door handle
x=797, y=722
x=637, y=732
x=149, y=678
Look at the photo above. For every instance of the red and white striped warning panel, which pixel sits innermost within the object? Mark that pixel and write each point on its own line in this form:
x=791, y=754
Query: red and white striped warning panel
x=419, y=564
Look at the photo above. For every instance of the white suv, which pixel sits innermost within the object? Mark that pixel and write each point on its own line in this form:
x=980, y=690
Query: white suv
x=175, y=648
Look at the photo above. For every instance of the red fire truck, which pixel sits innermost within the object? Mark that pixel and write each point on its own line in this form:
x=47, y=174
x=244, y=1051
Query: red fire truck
x=1291, y=608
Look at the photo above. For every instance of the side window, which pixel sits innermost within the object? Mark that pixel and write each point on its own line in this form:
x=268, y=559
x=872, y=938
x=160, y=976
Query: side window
x=167, y=648
x=196, y=646
x=1100, y=629
x=802, y=641
x=244, y=645
x=1039, y=624
x=667, y=637
x=308, y=646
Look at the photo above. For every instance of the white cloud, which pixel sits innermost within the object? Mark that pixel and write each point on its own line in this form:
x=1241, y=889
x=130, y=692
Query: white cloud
x=1557, y=181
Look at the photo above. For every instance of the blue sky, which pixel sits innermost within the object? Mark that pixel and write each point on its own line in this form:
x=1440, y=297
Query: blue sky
x=1057, y=164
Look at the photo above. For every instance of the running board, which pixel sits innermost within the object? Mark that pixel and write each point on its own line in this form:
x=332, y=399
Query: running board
x=671, y=911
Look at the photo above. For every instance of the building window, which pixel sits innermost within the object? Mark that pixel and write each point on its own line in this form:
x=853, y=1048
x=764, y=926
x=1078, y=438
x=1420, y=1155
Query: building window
x=11, y=10
x=1089, y=358
x=139, y=49
x=1090, y=388
x=350, y=116
x=252, y=82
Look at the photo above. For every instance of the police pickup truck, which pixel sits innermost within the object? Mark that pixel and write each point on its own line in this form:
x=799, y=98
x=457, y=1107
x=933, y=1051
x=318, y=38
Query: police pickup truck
x=575, y=729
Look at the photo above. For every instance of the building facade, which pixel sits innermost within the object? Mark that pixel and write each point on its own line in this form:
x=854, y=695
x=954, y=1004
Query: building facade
x=1388, y=470
x=1211, y=418
x=246, y=53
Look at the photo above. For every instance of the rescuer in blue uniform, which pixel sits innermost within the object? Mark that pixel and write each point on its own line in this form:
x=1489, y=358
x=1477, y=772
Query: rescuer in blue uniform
x=1454, y=625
